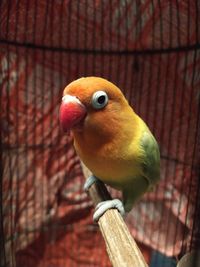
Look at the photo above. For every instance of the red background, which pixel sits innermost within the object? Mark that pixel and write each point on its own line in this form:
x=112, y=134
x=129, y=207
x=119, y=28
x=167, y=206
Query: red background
x=150, y=49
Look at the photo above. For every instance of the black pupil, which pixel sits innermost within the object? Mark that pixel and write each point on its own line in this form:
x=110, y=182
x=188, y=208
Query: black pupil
x=101, y=99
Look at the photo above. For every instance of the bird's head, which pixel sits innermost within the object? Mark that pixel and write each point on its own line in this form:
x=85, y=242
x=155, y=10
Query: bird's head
x=87, y=101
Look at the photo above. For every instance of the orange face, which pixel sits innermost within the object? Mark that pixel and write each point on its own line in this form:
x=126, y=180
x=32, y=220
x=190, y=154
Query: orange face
x=89, y=100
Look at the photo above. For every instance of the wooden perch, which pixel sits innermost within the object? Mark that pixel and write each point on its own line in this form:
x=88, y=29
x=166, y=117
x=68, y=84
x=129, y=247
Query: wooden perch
x=121, y=247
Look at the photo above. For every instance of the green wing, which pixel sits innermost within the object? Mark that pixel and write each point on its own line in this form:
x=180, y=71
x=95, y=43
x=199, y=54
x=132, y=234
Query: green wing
x=150, y=171
x=151, y=164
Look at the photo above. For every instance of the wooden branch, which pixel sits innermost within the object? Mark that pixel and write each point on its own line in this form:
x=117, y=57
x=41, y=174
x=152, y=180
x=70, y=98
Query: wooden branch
x=121, y=247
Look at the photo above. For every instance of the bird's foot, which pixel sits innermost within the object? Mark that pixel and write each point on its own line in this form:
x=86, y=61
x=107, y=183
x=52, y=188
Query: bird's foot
x=90, y=181
x=103, y=206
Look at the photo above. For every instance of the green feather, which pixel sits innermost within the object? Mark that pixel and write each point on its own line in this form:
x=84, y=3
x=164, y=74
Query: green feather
x=151, y=164
x=150, y=171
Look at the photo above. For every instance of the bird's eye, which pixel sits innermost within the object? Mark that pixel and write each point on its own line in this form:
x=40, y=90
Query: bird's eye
x=99, y=99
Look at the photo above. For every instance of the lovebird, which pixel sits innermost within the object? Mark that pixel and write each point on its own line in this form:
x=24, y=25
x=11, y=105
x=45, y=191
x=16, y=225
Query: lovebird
x=112, y=141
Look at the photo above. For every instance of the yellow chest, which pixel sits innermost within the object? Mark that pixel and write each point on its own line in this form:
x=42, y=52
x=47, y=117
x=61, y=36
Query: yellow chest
x=115, y=172
x=112, y=150
x=114, y=163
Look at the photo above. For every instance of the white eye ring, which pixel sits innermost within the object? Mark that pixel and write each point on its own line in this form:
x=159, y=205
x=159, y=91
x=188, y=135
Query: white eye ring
x=99, y=99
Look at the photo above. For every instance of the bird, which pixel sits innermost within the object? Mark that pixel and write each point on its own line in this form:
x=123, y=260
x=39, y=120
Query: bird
x=114, y=143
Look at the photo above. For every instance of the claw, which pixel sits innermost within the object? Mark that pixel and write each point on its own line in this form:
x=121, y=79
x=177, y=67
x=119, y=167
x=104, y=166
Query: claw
x=90, y=180
x=103, y=206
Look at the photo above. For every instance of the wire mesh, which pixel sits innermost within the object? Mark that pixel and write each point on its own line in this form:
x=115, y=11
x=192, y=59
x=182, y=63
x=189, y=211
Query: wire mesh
x=151, y=50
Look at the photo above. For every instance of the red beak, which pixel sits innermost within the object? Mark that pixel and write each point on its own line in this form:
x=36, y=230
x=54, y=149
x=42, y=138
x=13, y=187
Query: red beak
x=72, y=112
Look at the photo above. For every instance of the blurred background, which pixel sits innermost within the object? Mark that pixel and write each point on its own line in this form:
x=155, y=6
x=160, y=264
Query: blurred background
x=151, y=50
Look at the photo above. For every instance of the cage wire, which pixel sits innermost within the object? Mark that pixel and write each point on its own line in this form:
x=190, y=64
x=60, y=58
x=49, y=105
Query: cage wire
x=151, y=50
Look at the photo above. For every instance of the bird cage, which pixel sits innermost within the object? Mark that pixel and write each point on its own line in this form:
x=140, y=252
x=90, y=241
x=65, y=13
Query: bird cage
x=151, y=51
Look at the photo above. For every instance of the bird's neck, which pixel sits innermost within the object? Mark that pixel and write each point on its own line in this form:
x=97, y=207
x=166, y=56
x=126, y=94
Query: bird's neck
x=91, y=139
x=95, y=135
